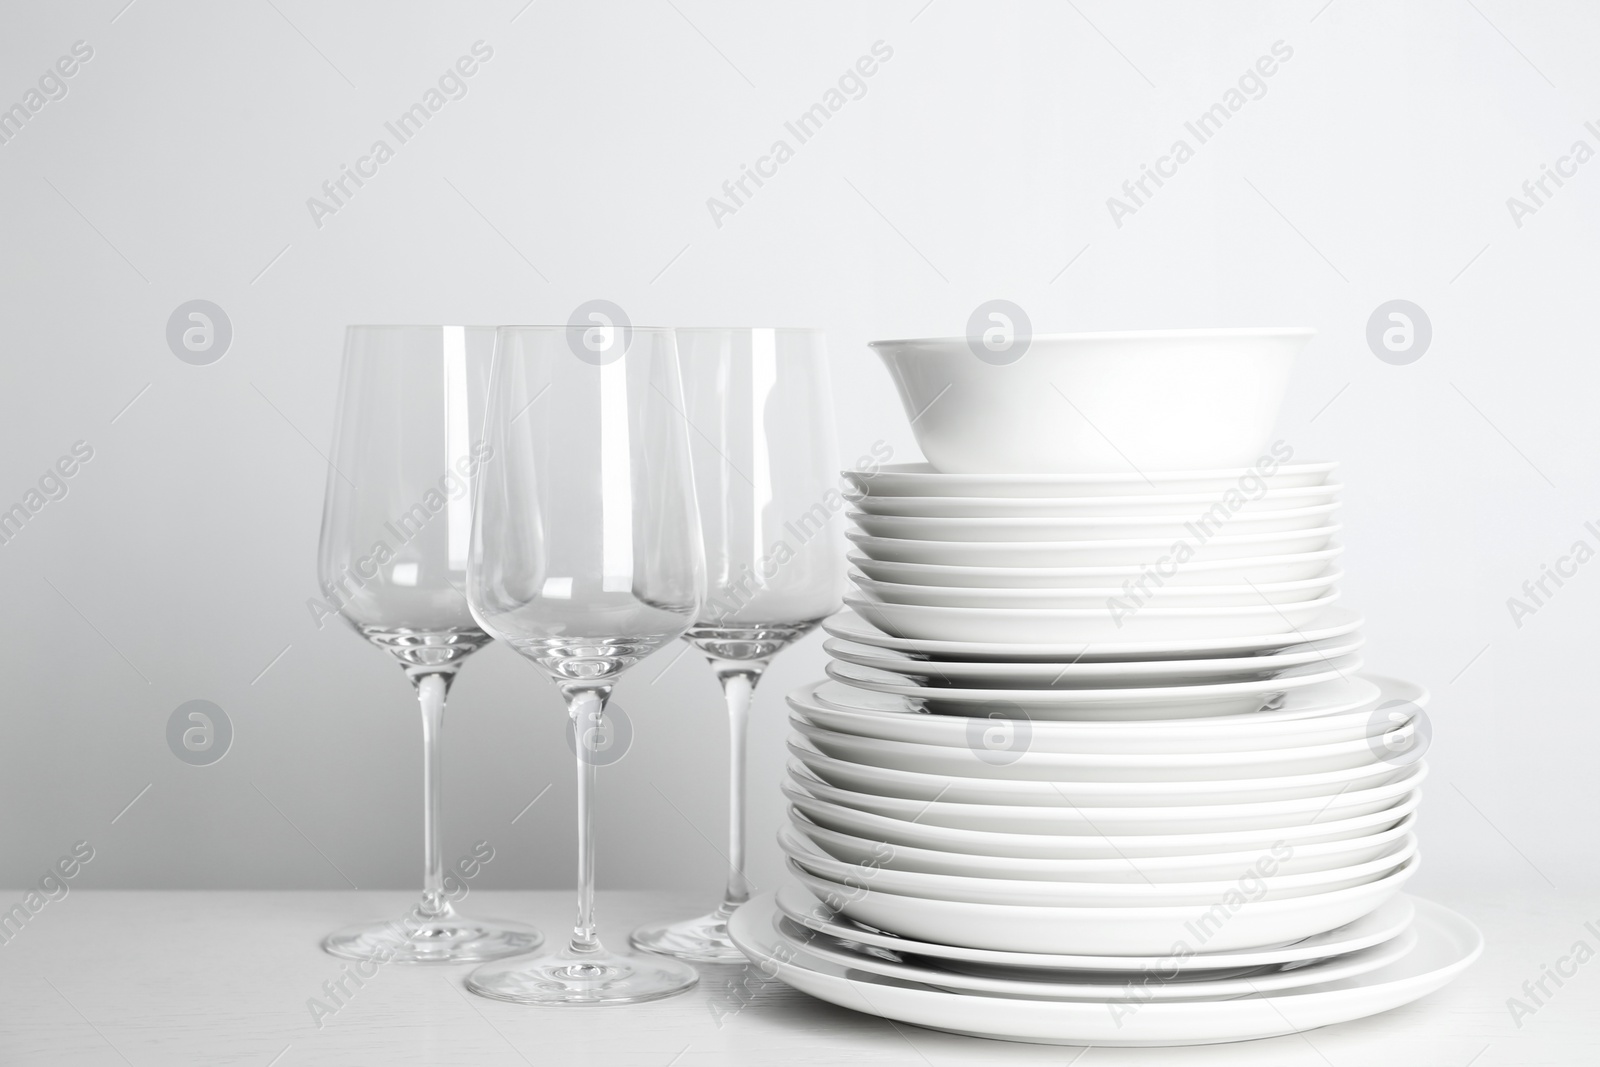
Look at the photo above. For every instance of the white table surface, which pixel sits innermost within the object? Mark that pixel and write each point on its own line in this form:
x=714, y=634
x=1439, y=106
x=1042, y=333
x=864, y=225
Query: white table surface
x=147, y=978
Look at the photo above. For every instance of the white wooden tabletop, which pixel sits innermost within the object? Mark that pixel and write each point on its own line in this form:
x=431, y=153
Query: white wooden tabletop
x=223, y=978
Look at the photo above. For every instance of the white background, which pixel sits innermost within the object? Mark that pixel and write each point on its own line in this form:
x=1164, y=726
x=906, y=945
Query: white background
x=977, y=165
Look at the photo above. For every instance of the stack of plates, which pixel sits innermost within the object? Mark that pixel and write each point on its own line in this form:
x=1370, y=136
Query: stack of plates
x=1095, y=764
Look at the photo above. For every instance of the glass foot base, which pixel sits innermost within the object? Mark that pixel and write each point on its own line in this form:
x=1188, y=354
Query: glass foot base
x=703, y=939
x=449, y=939
x=589, y=978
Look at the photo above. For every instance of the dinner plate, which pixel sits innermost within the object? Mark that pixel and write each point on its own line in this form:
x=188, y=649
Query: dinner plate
x=1122, y=820
x=1014, y=892
x=1336, y=622
x=1002, y=753
x=1361, y=706
x=911, y=785
x=1142, y=702
x=1446, y=945
x=921, y=479
x=1199, y=526
x=1107, y=600
x=1089, y=842
x=1319, y=857
x=1287, y=568
x=1152, y=986
x=1114, y=507
x=1086, y=625
x=1160, y=554
x=1232, y=920
x=1091, y=674
x=795, y=902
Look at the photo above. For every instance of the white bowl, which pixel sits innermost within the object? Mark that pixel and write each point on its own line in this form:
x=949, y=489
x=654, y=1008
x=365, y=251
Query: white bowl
x=1144, y=400
x=1106, y=508
x=1066, y=625
x=1177, y=596
x=1144, y=552
x=1258, y=569
x=922, y=480
x=1197, y=526
x=1108, y=930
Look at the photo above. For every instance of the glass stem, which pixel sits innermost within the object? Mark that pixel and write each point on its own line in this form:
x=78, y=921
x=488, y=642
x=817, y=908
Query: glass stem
x=587, y=708
x=431, y=690
x=738, y=685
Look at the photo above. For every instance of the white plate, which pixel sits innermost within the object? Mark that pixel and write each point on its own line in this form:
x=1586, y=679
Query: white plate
x=1094, y=844
x=1110, y=507
x=1362, y=707
x=1214, y=572
x=1197, y=527
x=911, y=785
x=1163, y=553
x=1102, y=930
x=1119, y=869
x=920, y=479
x=809, y=946
x=1388, y=922
x=1086, y=625
x=1336, y=622
x=1123, y=820
x=1090, y=675
x=1446, y=945
x=1023, y=893
x=1003, y=753
x=1104, y=599
x=1306, y=684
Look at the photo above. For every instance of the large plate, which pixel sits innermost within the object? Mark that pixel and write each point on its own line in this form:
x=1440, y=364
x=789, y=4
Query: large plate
x=1321, y=682
x=1155, y=986
x=1287, y=568
x=920, y=479
x=1090, y=842
x=1446, y=945
x=1369, y=706
x=1336, y=622
x=797, y=903
x=1087, y=674
x=1092, y=527
x=1113, y=507
x=1087, y=625
x=1156, y=553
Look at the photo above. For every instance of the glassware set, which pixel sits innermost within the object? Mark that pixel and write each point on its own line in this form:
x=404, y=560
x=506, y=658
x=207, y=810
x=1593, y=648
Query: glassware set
x=587, y=496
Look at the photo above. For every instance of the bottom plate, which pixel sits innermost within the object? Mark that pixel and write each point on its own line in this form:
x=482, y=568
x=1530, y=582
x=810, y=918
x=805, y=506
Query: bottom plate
x=1446, y=945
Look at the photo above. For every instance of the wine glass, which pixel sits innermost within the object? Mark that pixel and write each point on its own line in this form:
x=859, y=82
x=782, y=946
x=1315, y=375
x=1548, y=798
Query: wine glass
x=585, y=559
x=392, y=562
x=766, y=477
